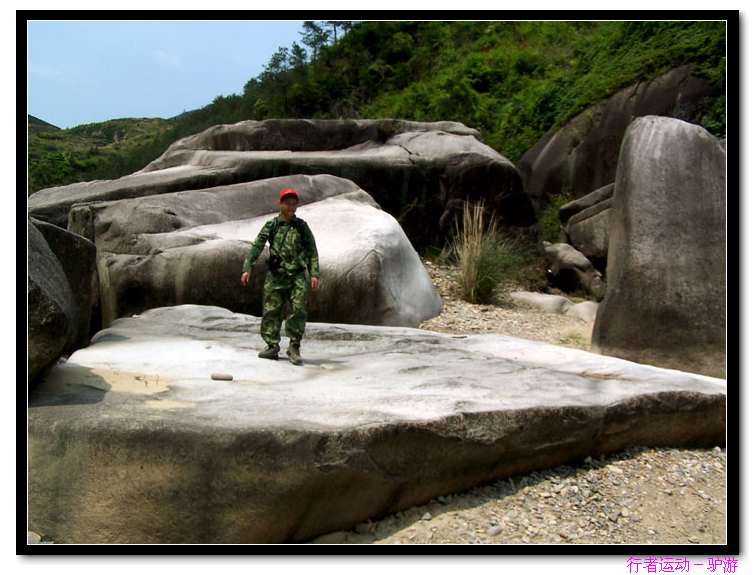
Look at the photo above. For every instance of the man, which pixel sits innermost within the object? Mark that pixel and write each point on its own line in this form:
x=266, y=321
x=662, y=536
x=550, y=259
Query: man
x=292, y=253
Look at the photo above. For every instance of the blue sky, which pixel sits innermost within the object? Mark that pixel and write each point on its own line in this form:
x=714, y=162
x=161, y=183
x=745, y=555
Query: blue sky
x=81, y=72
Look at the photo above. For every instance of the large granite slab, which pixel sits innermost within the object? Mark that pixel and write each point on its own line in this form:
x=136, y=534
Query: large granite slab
x=132, y=441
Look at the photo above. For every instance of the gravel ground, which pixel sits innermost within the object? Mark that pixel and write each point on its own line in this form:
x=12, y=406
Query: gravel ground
x=639, y=495
x=507, y=318
x=635, y=496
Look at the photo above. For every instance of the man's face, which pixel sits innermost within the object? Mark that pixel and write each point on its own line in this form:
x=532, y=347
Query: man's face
x=289, y=205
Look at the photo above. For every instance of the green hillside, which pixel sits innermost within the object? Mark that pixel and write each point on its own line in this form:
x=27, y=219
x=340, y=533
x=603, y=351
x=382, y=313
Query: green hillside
x=37, y=125
x=92, y=151
x=512, y=80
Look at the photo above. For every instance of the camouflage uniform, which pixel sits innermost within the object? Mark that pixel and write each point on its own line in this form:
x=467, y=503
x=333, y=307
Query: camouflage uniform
x=289, y=283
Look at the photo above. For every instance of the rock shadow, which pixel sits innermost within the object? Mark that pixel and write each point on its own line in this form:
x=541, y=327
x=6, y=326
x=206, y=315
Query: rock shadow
x=68, y=385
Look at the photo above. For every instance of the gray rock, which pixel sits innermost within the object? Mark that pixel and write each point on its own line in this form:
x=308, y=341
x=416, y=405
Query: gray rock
x=33, y=538
x=587, y=224
x=571, y=270
x=78, y=258
x=567, y=211
x=586, y=311
x=582, y=155
x=189, y=247
x=52, y=308
x=542, y=301
x=286, y=453
x=666, y=293
x=418, y=172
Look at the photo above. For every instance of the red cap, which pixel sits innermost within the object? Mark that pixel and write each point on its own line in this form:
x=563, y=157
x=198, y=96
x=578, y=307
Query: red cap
x=287, y=192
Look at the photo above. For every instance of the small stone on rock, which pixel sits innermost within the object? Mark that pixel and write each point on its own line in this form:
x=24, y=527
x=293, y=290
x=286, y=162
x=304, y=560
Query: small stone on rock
x=222, y=376
x=426, y=517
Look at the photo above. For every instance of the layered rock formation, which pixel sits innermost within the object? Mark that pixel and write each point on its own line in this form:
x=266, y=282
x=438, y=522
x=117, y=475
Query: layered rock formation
x=419, y=172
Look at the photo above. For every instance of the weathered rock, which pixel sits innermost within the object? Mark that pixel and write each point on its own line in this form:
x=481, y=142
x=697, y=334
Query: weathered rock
x=189, y=247
x=53, y=204
x=666, y=294
x=589, y=232
x=586, y=223
x=572, y=270
x=419, y=172
x=586, y=311
x=597, y=197
x=545, y=302
x=582, y=155
x=52, y=308
x=78, y=258
x=131, y=443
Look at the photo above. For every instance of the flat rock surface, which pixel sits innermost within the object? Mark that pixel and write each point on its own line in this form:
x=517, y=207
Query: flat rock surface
x=376, y=420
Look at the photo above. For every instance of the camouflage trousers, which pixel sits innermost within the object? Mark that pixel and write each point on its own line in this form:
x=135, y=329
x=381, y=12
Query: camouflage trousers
x=278, y=290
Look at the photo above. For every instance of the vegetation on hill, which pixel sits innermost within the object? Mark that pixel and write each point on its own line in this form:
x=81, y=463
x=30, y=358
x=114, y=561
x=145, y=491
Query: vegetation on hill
x=511, y=80
x=93, y=151
x=37, y=125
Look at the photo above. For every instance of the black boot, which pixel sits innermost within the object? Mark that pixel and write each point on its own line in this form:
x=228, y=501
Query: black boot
x=293, y=353
x=270, y=353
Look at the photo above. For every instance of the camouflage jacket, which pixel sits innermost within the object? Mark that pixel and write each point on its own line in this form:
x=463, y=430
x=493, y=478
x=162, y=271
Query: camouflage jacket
x=296, y=253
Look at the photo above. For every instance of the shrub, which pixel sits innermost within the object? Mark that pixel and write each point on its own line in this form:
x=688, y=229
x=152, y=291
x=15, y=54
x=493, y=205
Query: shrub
x=484, y=256
x=550, y=225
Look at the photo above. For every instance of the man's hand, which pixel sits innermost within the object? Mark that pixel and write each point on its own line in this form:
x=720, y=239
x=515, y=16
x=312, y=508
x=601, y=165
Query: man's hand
x=244, y=278
x=314, y=282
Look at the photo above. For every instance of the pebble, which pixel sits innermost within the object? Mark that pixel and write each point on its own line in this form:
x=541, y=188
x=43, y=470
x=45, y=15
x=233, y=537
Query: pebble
x=33, y=538
x=495, y=530
x=222, y=376
x=427, y=517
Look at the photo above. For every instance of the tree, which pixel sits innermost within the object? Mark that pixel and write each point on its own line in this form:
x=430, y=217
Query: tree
x=278, y=61
x=314, y=36
x=297, y=58
x=344, y=25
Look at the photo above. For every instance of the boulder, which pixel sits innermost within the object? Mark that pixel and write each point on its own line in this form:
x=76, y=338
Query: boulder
x=665, y=301
x=418, y=172
x=588, y=224
x=78, y=258
x=130, y=442
x=594, y=198
x=542, y=301
x=586, y=311
x=52, y=307
x=188, y=247
x=582, y=155
x=571, y=270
